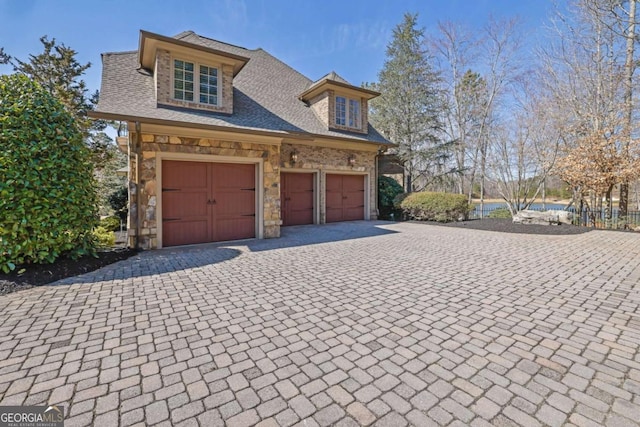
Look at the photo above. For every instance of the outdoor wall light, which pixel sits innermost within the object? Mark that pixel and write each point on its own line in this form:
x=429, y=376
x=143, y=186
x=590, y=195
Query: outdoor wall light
x=294, y=156
x=351, y=160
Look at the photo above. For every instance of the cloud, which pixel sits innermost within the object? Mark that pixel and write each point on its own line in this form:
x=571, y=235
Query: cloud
x=363, y=35
x=346, y=37
x=230, y=16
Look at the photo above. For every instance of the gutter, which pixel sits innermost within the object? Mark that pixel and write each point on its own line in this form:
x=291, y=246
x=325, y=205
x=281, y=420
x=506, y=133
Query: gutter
x=230, y=129
x=138, y=153
x=380, y=151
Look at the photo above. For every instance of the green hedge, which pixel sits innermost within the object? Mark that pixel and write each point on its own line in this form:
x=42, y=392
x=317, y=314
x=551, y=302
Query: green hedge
x=502, y=213
x=104, y=238
x=47, y=194
x=428, y=206
x=388, y=189
x=111, y=223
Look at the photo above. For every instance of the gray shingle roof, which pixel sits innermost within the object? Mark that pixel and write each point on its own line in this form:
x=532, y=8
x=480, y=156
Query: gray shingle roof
x=333, y=76
x=265, y=94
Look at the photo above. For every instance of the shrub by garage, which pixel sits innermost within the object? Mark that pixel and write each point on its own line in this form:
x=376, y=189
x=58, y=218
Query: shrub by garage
x=388, y=189
x=430, y=206
x=47, y=195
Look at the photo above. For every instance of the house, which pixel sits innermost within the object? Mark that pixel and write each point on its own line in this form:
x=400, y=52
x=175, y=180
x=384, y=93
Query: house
x=229, y=143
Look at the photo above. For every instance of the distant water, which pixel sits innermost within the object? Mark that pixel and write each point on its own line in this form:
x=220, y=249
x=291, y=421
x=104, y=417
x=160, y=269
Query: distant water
x=535, y=206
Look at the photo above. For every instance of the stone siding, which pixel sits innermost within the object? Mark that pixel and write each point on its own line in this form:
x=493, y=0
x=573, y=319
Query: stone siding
x=164, y=85
x=151, y=144
x=143, y=207
x=332, y=160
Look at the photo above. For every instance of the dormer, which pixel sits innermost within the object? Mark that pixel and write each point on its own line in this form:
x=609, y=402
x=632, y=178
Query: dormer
x=189, y=75
x=339, y=104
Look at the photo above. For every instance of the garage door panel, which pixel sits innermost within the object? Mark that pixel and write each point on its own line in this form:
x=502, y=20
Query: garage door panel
x=185, y=232
x=233, y=176
x=334, y=215
x=334, y=183
x=345, y=196
x=300, y=182
x=184, y=176
x=235, y=228
x=296, y=198
x=302, y=201
x=353, y=214
x=183, y=204
x=235, y=203
x=204, y=202
x=352, y=183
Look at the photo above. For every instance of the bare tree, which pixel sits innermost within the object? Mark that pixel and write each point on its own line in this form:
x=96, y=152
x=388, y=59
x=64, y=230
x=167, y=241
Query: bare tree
x=481, y=69
x=523, y=152
x=455, y=48
x=589, y=76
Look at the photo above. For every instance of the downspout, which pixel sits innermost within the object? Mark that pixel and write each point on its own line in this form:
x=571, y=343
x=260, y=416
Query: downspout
x=138, y=151
x=380, y=151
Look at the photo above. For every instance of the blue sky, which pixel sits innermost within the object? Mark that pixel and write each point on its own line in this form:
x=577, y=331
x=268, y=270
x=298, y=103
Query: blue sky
x=314, y=37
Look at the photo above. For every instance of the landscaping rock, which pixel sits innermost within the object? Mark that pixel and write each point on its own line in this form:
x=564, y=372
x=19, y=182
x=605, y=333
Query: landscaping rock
x=550, y=217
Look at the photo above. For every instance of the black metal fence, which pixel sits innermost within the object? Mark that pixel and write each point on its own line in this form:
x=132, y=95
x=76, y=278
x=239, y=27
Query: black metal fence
x=599, y=218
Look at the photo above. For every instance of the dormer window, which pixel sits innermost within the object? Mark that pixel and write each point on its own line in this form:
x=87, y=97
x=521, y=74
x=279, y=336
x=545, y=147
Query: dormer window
x=348, y=112
x=338, y=104
x=185, y=88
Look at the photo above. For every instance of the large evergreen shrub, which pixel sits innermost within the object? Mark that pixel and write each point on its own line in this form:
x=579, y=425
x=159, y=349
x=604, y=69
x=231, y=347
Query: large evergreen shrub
x=388, y=189
x=119, y=201
x=428, y=206
x=47, y=195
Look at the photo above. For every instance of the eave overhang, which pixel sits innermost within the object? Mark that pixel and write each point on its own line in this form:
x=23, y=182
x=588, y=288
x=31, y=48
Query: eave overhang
x=151, y=42
x=327, y=84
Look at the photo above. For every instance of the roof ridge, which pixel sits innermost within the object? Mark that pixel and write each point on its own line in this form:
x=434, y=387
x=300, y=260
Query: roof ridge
x=219, y=41
x=337, y=77
x=183, y=34
x=125, y=52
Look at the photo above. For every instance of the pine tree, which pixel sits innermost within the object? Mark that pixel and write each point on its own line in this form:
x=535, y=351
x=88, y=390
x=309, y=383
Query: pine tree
x=4, y=58
x=60, y=73
x=407, y=112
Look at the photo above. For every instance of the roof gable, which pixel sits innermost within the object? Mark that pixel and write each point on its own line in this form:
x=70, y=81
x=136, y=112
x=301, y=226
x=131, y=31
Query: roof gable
x=265, y=91
x=151, y=42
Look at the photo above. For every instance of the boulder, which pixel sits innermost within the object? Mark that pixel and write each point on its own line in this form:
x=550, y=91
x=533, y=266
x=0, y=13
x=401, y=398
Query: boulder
x=564, y=217
x=551, y=217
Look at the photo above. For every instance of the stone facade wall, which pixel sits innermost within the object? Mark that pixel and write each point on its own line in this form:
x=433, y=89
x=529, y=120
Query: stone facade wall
x=331, y=160
x=164, y=86
x=143, y=206
x=151, y=144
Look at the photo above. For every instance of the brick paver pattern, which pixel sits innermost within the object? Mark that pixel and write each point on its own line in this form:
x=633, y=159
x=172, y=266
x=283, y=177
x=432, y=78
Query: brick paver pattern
x=365, y=323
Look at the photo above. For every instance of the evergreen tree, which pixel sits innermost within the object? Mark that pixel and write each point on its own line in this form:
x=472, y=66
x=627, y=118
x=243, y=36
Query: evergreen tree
x=407, y=112
x=59, y=72
x=4, y=58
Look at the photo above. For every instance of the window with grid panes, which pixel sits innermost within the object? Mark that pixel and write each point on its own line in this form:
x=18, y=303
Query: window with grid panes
x=347, y=112
x=195, y=82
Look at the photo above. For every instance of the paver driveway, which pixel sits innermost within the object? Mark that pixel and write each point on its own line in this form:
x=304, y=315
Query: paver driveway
x=344, y=324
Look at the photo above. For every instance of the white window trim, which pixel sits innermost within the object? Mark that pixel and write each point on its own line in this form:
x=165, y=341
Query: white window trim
x=347, y=110
x=196, y=81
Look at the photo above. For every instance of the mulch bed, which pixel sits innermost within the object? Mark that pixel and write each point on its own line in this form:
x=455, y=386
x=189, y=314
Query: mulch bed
x=41, y=274
x=508, y=226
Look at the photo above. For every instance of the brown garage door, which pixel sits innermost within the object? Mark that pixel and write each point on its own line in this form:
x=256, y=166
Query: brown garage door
x=296, y=198
x=345, y=197
x=207, y=202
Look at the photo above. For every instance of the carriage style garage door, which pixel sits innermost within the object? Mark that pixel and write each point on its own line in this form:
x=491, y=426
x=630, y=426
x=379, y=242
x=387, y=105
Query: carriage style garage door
x=207, y=202
x=345, y=197
x=296, y=198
